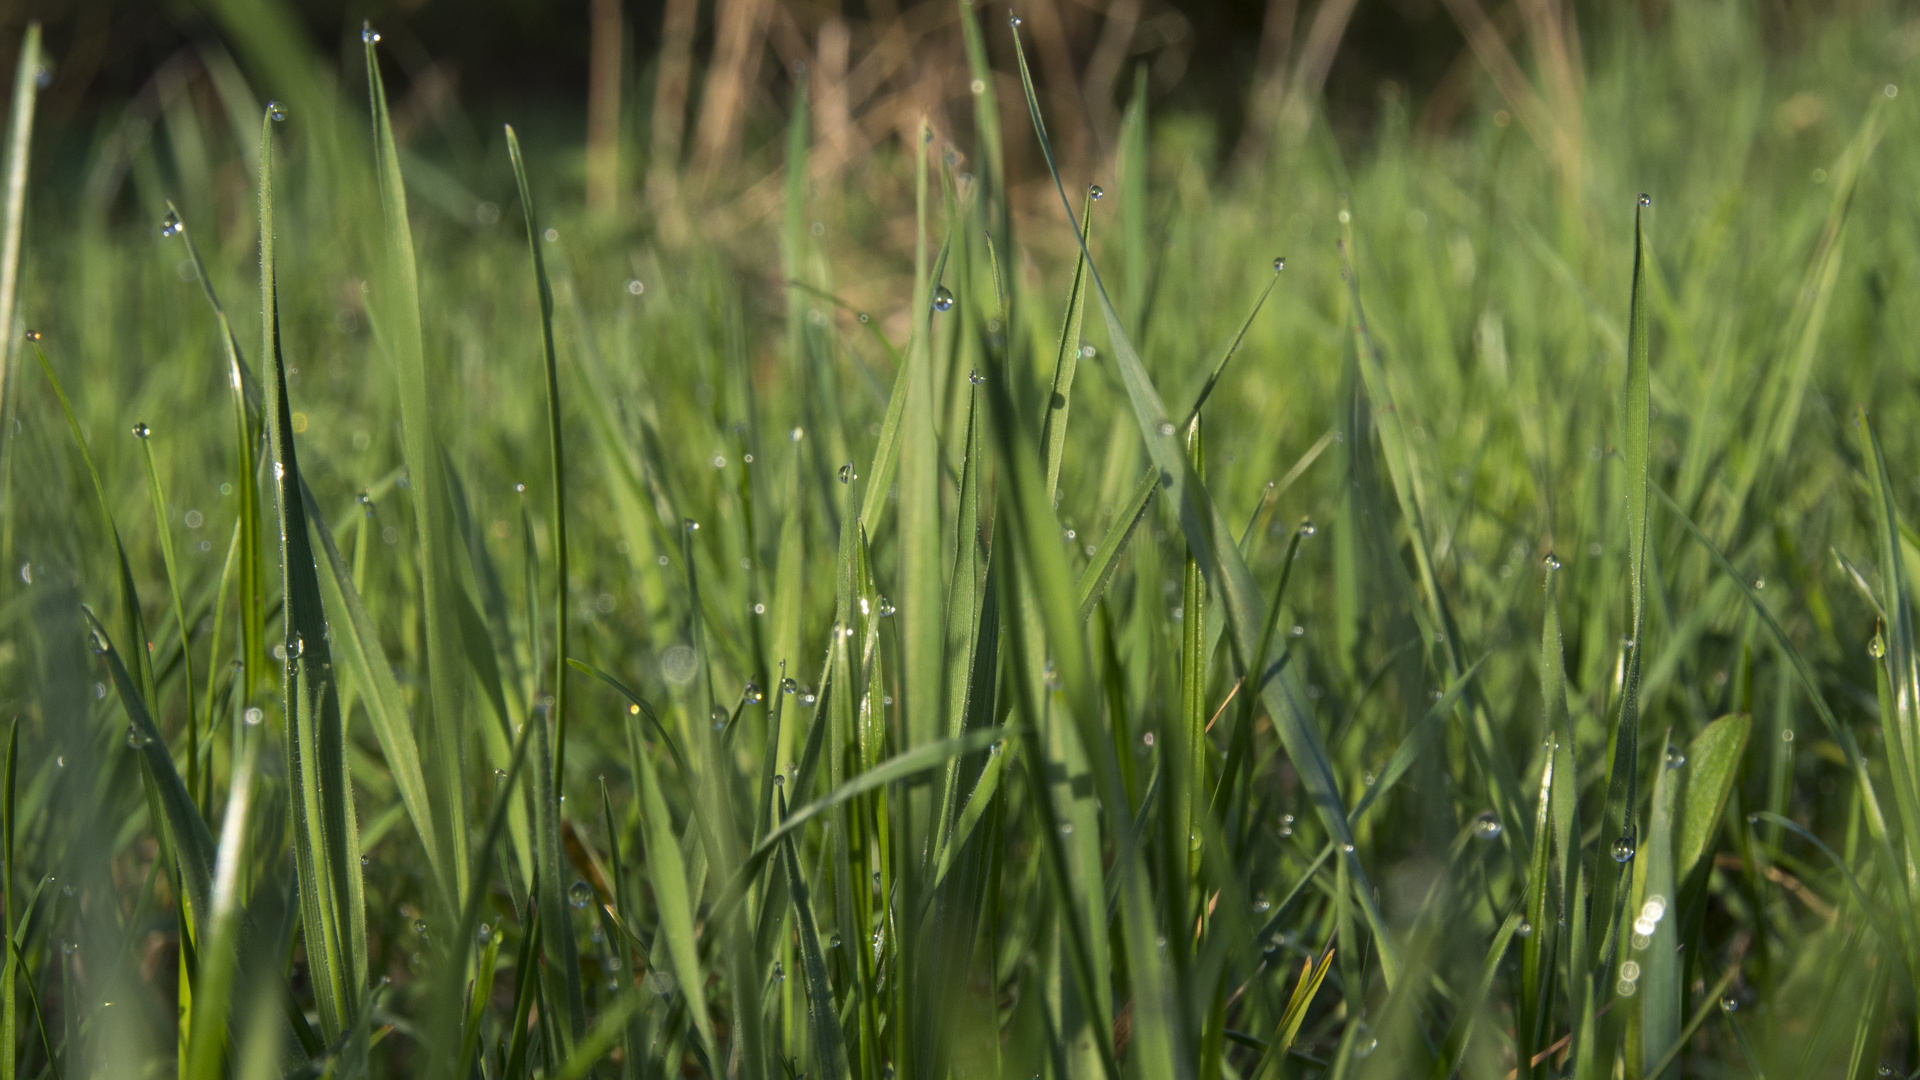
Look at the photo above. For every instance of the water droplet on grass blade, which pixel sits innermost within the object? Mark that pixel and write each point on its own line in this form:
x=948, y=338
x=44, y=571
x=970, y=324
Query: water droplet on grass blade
x=33, y=335
x=1279, y=263
x=753, y=694
x=1877, y=648
x=846, y=473
x=1645, y=199
x=942, y=299
x=975, y=377
x=141, y=430
x=1675, y=757
x=1551, y=562
x=580, y=893
x=1487, y=826
x=1524, y=930
x=253, y=716
x=368, y=34
x=1094, y=192
x=170, y=226
x=1166, y=427
x=276, y=112
x=1623, y=849
x=1728, y=1004
x=1013, y=20
x=137, y=739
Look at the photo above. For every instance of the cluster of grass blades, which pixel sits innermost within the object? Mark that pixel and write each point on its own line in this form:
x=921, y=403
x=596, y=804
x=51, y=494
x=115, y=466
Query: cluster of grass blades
x=673, y=703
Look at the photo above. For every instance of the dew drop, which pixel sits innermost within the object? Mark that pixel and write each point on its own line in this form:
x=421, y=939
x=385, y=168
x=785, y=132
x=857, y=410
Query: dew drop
x=1675, y=757
x=1348, y=848
x=846, y=473
x=296, y=645
x=1487, y=826
x=1094, y=192
x=1645, y=199
x=1524, y=930
x=1877, y=648
x=1166, y=427
x=97, y=642
x=942, y=299
x=753, y=695
x=276, y=112
x=1013, y=21
x=580, y=893
x=1364, y=1043
x=975, y=377
x=136, y=738
x=1308, y=528
x=689, y=525
x=720, y=718
x=368, y=34
x=33, y=335
x=1279, y=263
x=1623, y=849
x=1728, y=1004
x=886, y=608
x=779, y=973
x=1066, y=828
x=364, y=860
x=833, y=941
x=1147, y=739
x=796, y=434
x=253, y=716
x=170, y=226
x=1551, y=562
x=1759, y=583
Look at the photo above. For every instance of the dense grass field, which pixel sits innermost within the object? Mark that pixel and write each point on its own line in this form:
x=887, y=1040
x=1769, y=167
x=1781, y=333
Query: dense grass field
x=835, y=629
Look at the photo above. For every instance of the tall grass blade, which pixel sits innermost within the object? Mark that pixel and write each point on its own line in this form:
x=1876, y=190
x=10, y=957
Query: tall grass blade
x=26, y=90
x=326, y=842
x=396, y=305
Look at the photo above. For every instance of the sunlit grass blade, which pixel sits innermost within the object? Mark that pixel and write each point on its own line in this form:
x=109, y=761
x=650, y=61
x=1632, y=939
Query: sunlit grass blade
x=165, y=533
x=26, y=91
x=366, y=664
x=396, y=306
x=667, y=874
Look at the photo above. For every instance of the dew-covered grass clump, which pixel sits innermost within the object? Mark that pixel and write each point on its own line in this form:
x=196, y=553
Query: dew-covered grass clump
x=1387, y=602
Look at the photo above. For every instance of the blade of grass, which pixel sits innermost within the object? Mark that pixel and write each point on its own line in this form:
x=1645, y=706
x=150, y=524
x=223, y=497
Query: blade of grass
x=325, y=839
x=397, y=308
x=165, y=533
x=26, y=90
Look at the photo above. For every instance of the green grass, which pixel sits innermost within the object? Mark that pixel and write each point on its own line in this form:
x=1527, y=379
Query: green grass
x=970, y=626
